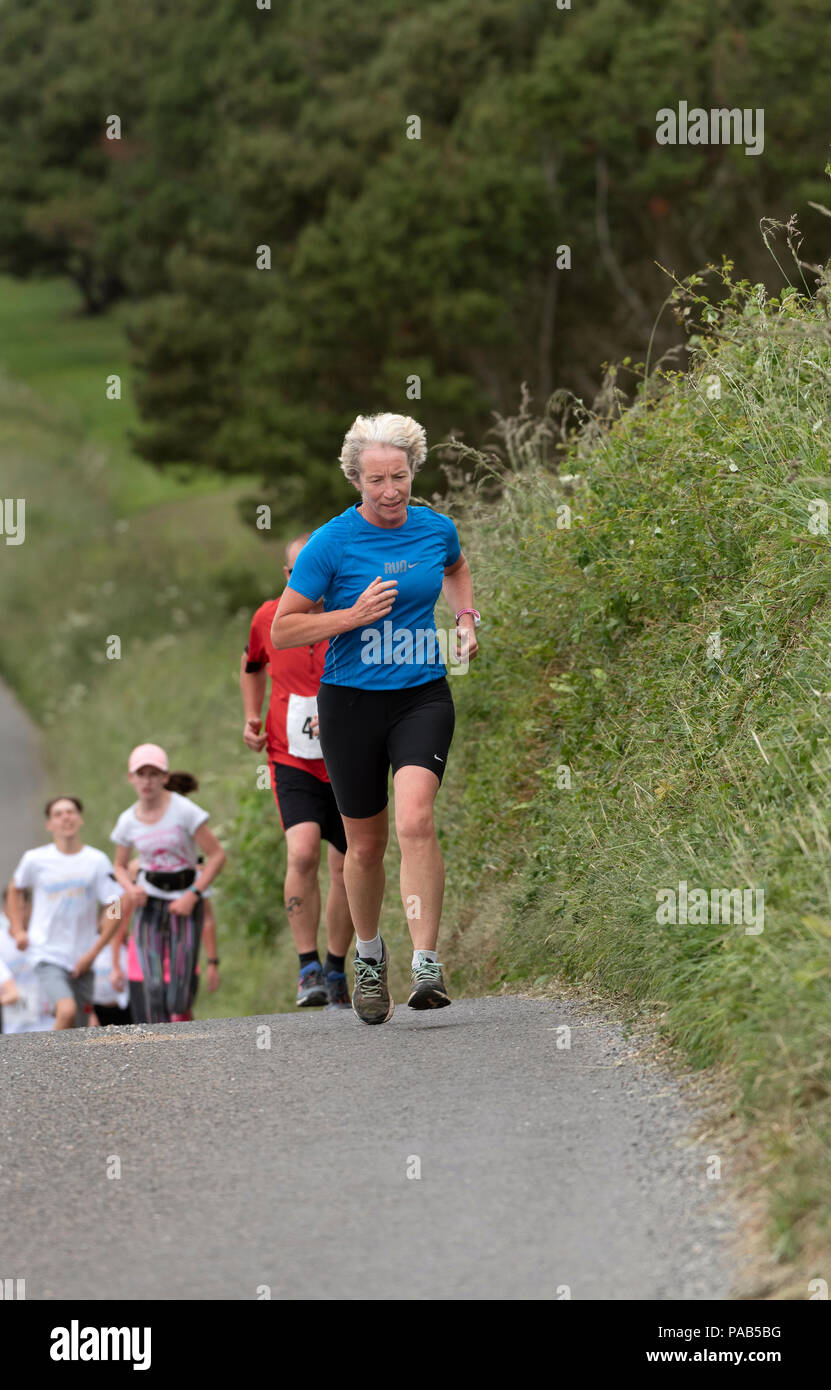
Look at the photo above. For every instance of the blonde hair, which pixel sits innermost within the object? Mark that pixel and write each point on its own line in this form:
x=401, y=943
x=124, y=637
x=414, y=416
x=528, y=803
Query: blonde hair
x=395, y=431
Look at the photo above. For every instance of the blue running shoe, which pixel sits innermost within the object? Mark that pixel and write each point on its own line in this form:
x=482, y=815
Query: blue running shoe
x=311, y=986
x=338, y=990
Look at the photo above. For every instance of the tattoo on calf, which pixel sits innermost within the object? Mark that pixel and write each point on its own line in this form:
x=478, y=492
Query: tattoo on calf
x=293, y=904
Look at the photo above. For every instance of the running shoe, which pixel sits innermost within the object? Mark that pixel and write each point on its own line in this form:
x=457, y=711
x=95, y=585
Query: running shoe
x=338, y=990
x=370, y=996
x=427, y=986
x=311, y=986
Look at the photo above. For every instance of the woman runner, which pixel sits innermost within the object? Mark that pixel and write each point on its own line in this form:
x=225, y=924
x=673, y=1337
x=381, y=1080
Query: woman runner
x=168, y=831
x=384, y=699
x=130, y=976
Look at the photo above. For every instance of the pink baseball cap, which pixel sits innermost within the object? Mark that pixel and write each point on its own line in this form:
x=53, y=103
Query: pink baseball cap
x=148, y=755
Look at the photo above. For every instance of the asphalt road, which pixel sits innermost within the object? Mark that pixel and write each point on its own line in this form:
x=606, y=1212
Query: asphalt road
x=249, y=1171
x=462, y=1154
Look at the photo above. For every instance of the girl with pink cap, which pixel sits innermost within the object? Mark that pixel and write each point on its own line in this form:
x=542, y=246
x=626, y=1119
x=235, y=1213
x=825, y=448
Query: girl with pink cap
x=167, y=831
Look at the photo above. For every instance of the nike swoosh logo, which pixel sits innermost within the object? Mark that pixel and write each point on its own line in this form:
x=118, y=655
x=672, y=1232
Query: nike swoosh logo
x=437, y=758
x=412, y=567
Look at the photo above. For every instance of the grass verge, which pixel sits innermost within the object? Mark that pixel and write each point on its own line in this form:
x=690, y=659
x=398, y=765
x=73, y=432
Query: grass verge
x=652, y=707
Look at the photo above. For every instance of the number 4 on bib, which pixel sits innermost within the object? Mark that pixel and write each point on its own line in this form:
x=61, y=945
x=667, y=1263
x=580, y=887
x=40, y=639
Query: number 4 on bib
x=302, y=709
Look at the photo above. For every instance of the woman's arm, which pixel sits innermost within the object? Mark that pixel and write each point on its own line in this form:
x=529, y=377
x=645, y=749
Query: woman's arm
x=457, y=588
x=120, y=860
x=295, y=624
x=214, y=859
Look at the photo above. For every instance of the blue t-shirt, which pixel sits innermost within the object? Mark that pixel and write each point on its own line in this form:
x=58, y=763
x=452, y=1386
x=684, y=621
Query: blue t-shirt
x=342, y=558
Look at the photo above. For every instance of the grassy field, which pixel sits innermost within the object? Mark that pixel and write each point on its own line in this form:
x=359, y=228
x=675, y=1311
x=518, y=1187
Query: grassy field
x=66, y=357
x=113, y=549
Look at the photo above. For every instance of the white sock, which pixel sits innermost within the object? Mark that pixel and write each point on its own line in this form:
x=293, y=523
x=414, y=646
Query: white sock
x=369, y=950
x=419, y=956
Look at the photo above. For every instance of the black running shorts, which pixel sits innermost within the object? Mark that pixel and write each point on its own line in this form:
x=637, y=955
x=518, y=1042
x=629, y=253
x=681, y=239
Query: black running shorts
x=365, y=732
x=303, y=797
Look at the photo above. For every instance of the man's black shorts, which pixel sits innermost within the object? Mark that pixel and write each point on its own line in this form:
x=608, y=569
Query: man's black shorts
x=365, y=732
x=303, y=797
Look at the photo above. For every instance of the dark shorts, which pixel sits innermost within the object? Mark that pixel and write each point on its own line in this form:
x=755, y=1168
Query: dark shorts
x=303, y=797
x=364, y=733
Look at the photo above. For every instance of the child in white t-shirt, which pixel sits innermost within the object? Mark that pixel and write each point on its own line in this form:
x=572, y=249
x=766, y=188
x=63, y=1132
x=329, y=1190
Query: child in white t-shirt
x=69, y=882
x=167, y=830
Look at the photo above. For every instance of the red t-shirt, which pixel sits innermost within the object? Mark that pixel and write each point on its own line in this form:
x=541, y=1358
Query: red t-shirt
x=295, y=680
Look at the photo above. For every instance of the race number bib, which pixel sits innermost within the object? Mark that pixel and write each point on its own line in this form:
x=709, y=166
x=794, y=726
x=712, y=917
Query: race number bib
x=301, y=741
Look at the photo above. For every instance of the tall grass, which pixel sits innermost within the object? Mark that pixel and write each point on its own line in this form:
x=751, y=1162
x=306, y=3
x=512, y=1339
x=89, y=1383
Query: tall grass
x=653, y=704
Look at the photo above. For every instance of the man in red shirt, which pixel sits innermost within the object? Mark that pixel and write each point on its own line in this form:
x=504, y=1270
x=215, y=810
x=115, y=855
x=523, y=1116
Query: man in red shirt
x=305, y=800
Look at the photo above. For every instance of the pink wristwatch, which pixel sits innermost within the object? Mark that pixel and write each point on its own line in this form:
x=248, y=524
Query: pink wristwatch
x=476, y=618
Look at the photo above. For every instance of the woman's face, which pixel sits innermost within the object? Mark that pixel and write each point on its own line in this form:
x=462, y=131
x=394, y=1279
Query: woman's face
x=148, y=782
x=385, y=484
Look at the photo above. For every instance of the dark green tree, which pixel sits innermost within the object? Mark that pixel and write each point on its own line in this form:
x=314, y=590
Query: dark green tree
x=391, y=258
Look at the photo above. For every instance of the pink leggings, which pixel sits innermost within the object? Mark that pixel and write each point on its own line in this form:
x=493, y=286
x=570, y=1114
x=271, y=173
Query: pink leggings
x=158, y=933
